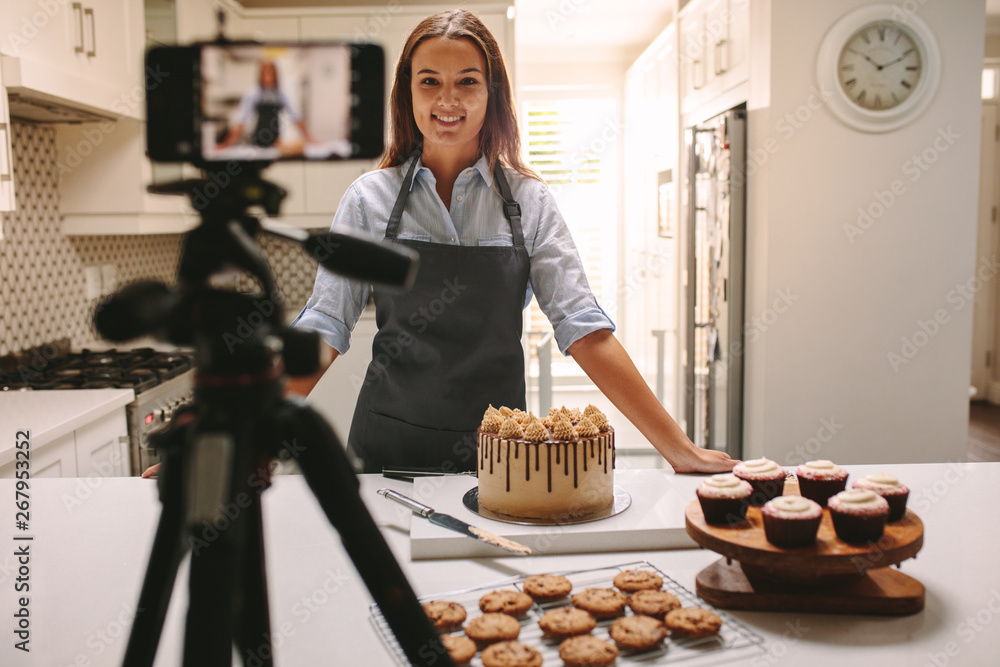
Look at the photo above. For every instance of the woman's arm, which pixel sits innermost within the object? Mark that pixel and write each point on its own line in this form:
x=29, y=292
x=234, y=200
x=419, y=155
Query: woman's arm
x=301, y=386
x=607, y=363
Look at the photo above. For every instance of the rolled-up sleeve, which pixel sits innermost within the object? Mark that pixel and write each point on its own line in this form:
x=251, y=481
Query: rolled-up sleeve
x=336, y=302
x=558, y=279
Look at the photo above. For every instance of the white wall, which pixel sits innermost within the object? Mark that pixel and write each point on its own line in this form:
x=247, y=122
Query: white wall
x=820, y=383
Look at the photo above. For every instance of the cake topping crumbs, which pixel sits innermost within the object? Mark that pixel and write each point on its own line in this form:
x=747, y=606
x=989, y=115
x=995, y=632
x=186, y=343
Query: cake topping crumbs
x=536, y=432
x=586, y=428
x=510, y=429
x=563, y=430
x=492, y=422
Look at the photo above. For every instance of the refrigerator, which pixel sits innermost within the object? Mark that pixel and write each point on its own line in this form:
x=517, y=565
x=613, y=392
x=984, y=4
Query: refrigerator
x=713, y=275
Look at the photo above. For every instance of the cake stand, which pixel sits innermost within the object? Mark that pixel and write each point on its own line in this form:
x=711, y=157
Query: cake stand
x=828, y=576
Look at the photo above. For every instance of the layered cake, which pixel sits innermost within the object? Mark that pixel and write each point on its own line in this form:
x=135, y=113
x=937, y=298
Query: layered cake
x=558, y=467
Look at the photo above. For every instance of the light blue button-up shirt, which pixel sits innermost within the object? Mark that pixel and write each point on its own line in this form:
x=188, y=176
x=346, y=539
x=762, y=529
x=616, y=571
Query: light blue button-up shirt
x=476, y=217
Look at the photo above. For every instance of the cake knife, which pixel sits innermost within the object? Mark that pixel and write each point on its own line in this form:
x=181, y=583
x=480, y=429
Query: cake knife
x=451, y=523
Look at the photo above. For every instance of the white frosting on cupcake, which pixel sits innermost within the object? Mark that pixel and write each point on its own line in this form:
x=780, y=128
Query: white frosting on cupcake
x=858, y=501
x=880, y=482
x=724, y=486
x=821, y=469
x=757, y=469
x=792, y=507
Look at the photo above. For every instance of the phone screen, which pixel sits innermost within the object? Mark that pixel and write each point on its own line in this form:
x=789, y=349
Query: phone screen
x=268, y=102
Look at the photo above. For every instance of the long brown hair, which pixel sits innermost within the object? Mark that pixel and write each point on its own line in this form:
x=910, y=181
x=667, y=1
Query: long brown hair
x=499, y=138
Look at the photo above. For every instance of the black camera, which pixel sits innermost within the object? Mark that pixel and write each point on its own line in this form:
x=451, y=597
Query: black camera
x=219, y=102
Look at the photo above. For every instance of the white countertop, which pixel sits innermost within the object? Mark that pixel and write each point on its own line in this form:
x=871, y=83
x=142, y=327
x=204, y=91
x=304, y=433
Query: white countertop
x=89, y=557
x=52, y=414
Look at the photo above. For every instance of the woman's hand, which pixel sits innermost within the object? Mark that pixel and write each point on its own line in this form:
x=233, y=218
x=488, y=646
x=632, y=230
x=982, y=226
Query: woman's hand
x=151, y=471
x=695, y=459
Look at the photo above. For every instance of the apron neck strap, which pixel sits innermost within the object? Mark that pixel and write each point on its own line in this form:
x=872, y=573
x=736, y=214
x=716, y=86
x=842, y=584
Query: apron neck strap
x=404, y=193
x=511, y=209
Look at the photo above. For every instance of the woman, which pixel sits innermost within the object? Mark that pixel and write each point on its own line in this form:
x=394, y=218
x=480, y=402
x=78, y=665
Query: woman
x=266, y=101
x=451, y=184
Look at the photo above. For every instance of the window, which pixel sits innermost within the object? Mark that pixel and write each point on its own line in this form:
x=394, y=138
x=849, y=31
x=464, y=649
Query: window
x=573, y=144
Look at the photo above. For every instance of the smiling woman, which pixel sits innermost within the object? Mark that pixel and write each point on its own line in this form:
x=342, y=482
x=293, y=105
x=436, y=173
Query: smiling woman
x=453, y=186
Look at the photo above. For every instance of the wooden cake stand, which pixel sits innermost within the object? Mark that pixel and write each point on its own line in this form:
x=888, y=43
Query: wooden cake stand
x=828, y=576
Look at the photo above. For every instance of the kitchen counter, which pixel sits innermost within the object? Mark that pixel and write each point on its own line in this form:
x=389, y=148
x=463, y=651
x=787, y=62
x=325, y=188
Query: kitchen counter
x=88, y=559
x=49, y=415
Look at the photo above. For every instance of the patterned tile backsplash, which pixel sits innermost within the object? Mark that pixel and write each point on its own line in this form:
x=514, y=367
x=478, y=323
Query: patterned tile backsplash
x=42, y=285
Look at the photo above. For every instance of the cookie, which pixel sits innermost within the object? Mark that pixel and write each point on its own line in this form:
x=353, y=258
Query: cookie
x=514, y=603
x=653, y=603
x=445, y=615
x=547, y=587
x=638, y=633
x=461, y=649
x=600, y=602
x=692, y=622
x=631, y=581
x=511, y=654
x=587, y=651
x=566, y=622
x=490, y=628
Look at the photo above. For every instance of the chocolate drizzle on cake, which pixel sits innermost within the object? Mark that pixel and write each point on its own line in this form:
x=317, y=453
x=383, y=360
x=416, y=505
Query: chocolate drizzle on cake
x=599, y=447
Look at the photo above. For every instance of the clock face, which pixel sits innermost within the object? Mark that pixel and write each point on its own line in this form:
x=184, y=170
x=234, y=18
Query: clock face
x=879, y=66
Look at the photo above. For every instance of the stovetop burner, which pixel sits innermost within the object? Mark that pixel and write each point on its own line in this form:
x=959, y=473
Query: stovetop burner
x=139, y=369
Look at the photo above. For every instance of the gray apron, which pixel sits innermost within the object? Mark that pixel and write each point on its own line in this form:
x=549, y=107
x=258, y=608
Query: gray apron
x=444, y=350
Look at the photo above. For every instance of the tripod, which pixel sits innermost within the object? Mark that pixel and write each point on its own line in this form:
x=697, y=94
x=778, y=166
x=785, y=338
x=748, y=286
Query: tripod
x=216, y=452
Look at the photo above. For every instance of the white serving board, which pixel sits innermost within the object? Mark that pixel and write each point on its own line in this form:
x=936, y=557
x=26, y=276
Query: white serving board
x=655, y=520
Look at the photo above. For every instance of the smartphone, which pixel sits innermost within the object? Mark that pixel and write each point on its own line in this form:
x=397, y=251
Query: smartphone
x=261, y=102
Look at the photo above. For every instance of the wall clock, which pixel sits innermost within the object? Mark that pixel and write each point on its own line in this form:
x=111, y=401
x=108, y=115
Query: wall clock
x=878, y=67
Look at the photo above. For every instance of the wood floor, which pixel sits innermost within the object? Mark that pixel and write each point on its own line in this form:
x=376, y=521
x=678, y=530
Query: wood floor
x=984, y=432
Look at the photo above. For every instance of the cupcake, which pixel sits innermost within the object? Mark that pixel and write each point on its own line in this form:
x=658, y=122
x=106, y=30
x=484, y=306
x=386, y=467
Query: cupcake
x=889, y=488
x=791, y=521
x=766, y=478
x=818, y=480
x=859, y=515
x=724, y=499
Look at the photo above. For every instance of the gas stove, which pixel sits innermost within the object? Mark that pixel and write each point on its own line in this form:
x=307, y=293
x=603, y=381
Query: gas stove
x=162, y=382
x=140, y=369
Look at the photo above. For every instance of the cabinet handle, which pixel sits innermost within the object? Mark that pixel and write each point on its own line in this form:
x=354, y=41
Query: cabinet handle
x=721, y=49
x=6, y=159
x=77, y=7
x=694, y=74
x=89, y=11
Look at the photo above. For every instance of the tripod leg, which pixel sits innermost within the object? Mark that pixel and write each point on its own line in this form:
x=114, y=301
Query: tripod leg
x=161, y=572
x=253, y=626
x=328, y=473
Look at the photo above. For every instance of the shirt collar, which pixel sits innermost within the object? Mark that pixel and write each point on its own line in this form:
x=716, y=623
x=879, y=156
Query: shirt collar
x=482, y=165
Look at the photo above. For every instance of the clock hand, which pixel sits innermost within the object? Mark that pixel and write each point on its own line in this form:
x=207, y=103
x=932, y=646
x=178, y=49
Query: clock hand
x=866, y=57
x=903, y=57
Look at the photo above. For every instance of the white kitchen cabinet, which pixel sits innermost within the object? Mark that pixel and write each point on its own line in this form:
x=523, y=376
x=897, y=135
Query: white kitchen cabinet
x=95, y=449
x=102, y=447
x=7, y=200
x=55, y=459
x=714, y=50
x=85, y=54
